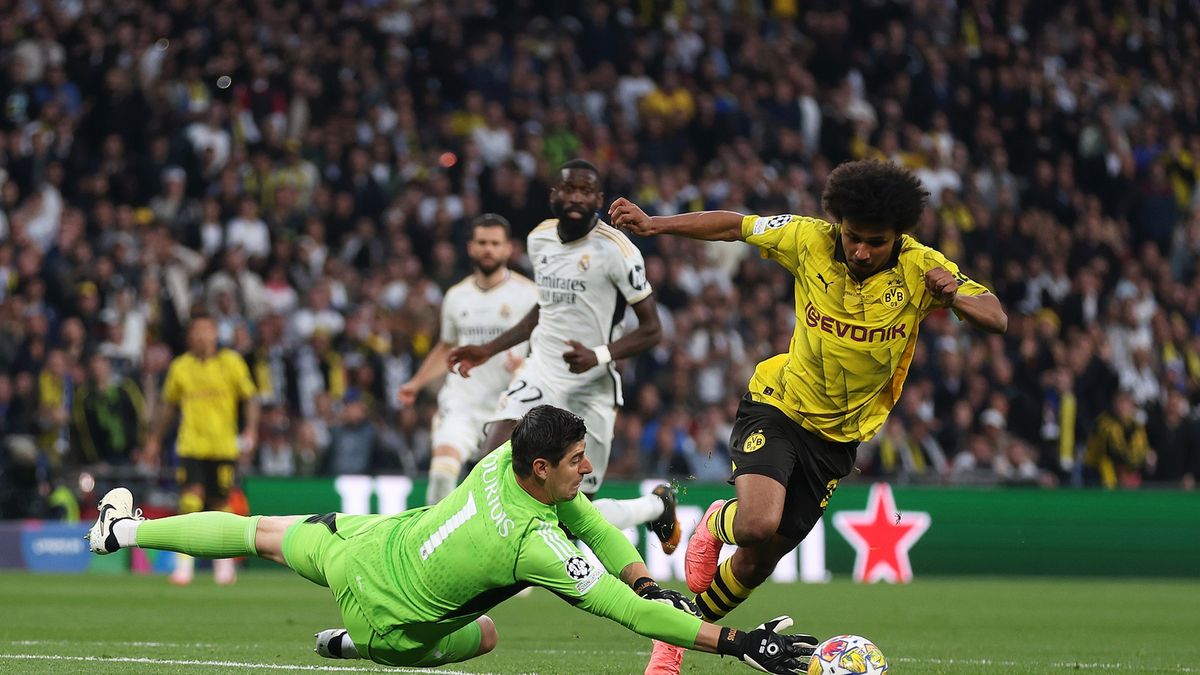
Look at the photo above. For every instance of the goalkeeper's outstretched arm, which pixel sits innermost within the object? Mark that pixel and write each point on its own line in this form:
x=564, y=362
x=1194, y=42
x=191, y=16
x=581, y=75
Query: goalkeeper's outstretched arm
x=547, y=559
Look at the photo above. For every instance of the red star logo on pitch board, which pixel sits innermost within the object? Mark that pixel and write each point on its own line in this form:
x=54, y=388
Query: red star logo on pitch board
x=881, y=537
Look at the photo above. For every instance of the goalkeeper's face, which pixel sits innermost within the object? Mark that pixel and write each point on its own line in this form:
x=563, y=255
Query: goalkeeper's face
x=563, y=480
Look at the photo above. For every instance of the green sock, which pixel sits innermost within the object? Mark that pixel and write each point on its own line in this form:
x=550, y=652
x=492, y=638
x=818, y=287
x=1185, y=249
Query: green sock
x=208, y=534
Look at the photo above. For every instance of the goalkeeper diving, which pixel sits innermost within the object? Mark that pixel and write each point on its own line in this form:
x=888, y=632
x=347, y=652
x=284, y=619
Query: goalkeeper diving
x=413, y=588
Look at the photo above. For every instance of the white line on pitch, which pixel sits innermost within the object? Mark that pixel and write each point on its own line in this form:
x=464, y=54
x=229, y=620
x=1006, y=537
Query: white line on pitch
x=115, y=643
x=1025, y=664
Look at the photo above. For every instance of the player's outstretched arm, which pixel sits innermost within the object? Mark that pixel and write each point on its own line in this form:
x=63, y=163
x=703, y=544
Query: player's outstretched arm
x=983, y=311
x=434, y=366
x=705, y=225
x=468, y=356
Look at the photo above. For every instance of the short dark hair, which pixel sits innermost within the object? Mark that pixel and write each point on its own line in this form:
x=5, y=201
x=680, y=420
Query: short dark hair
x=545, y=432
x=492, y=220
x=579, y=164
x=875, y=194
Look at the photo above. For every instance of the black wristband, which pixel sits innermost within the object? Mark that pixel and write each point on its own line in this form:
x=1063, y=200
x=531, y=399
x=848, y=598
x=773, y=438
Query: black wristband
x=731, y=643
x=644, y=584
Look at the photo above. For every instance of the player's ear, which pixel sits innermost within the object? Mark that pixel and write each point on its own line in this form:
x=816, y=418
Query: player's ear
x=541, y=468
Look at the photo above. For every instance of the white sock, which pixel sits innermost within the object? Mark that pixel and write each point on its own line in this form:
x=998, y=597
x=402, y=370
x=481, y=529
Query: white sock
x=126, y=532
x=443, y=477
x=349, y=651
x=625, y=513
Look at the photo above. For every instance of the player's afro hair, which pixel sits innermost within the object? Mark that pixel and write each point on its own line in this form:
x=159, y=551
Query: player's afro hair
x=546, y=432
x=875, y=194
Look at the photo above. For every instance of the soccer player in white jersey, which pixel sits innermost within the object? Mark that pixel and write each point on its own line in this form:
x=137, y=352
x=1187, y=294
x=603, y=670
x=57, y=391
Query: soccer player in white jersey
x=587, y=273
x=477, y=309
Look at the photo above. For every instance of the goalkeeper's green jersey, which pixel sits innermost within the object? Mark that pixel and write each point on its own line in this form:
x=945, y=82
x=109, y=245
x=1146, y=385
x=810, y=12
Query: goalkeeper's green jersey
x=449, y=563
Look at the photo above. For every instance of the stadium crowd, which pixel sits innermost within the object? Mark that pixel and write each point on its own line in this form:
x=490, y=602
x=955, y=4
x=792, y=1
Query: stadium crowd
x=305, y=173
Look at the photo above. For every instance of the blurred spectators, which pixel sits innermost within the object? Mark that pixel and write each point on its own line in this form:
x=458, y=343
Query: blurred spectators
x=307, y=177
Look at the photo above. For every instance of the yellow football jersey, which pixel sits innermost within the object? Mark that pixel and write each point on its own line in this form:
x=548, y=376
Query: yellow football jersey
x=208, y=393
x=853, y=341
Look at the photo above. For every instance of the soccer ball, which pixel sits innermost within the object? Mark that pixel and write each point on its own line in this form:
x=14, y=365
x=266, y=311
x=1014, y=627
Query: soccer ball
x=847, y=655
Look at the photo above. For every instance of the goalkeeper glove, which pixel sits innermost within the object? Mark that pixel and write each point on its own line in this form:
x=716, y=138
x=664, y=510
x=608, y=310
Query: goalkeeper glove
x=765, y=649
x=650, y=590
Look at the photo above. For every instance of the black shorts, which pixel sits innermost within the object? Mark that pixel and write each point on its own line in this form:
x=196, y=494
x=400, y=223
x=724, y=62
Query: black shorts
x=767, y=442
x=216, y=476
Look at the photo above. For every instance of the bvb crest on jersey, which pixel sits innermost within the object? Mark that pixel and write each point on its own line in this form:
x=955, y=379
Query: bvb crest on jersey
x=585, y=262
x=754, y=442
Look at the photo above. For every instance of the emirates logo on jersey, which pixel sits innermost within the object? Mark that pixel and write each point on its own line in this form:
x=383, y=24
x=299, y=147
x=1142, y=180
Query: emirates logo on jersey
x=585, y=262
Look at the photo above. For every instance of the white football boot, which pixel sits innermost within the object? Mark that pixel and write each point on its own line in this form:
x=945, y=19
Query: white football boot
x=117, y=505
x=331, y=646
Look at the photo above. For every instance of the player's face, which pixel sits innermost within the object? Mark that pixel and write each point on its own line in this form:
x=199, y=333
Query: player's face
x=562, y=482
x=576, y=198
x=202, y=337
x=489, y=249
x=867, y=249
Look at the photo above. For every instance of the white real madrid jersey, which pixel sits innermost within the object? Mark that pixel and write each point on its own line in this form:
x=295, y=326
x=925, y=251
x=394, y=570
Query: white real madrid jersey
x=584, y=287
x=471, y=316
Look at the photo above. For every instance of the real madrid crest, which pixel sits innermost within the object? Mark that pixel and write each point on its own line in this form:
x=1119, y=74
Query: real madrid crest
x=585, y=262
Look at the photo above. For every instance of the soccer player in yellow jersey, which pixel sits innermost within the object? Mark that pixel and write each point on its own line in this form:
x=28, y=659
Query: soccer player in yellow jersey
x=863, y=285
x=204, y=386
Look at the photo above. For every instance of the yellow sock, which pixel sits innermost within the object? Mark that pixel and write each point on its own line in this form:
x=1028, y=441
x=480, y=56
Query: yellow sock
x=720, y=524
x=724, y=594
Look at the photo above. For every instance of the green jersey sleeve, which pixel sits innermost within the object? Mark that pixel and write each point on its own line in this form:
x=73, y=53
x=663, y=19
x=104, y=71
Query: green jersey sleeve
x=547, y=559
x=606, y=541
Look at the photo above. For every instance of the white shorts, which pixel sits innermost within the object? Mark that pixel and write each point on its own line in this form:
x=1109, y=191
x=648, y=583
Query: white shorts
x=595, y=400
x=461, y=430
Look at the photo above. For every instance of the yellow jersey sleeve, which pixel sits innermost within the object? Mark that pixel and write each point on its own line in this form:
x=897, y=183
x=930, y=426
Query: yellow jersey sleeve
x=239, y=375
x=780, y=238
x=173, y=387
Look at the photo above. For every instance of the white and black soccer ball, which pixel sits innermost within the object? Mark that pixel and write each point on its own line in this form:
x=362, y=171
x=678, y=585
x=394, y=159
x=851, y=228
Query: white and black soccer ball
x=847, y=655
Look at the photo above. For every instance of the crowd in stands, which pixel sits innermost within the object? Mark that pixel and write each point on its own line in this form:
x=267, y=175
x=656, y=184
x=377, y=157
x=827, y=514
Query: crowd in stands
x=305, y=173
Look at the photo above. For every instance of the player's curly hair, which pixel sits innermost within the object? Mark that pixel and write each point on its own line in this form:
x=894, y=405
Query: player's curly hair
x=874, y=194
x=546, y=432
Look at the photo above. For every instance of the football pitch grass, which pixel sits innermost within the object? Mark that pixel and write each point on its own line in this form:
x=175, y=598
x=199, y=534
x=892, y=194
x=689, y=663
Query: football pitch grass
x=127, y=624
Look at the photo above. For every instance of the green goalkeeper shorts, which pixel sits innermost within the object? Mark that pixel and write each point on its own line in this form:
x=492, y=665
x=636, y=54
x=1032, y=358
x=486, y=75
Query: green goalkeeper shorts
x=315, y=548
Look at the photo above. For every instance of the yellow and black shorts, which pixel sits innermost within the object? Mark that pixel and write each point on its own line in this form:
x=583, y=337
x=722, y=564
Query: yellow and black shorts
x=217, y=477
x=767, y=442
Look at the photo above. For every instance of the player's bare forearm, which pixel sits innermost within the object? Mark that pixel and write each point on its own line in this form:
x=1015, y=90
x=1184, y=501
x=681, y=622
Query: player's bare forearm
x=515, y=335
x=982, y=311
x=647, y=334
x=164, y=421
x=252, y=410
x=704, y=225
x=434, y=366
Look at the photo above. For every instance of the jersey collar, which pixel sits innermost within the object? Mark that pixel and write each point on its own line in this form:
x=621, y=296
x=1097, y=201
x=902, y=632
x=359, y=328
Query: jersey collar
x=839, y=254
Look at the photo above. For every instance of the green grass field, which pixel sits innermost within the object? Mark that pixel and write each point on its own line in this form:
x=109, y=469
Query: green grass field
x=122, y=624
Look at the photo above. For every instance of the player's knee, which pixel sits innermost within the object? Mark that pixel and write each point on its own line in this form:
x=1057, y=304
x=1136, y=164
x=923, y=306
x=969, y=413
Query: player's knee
x=754, y=529
x=489, y=636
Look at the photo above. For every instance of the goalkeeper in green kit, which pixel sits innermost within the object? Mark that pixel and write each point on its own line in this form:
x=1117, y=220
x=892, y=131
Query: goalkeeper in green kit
x=413, y=587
